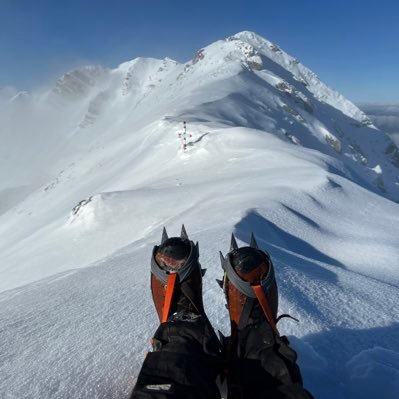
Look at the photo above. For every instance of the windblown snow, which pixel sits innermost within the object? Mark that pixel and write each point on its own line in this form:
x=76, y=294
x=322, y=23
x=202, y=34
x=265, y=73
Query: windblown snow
x=92, y=169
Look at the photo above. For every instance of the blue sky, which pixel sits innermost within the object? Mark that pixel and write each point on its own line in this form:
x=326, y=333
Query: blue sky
x=352, y=45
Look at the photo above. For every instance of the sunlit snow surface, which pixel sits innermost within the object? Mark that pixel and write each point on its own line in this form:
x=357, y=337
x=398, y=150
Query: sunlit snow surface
x=76, y=313
x=385, y=117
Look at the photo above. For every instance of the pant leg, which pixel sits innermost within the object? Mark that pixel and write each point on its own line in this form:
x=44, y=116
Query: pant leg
x=265, y=367
x=185, y=361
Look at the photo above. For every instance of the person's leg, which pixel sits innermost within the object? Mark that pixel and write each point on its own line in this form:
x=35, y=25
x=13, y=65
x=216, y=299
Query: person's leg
x=185, y=361
x=264, y=366
x=186, y=352
x=260, y=362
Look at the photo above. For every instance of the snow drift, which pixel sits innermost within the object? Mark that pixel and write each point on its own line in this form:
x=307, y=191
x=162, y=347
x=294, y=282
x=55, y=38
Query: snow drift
x=91, y=171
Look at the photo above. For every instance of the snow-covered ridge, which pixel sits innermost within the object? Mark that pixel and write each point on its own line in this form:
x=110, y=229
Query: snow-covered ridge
x=78, y=83
x=385, y=117
x=92, y=169
x=302, y=74
x=244, y=80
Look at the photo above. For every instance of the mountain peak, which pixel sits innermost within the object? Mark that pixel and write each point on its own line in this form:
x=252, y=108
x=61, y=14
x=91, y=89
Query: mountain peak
x=250, y=37
x=243, y=81
x=77, y=83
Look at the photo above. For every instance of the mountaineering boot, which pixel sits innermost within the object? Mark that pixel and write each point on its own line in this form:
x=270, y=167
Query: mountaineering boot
x=260, y=363
x=250, y=286
x=185, y=360
x=176, y=276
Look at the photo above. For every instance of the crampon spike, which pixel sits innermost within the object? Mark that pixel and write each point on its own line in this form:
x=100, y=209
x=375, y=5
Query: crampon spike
x=253, y=244
x=183, y=233
x=221, y=258
x=233, y=244
x=164, y=235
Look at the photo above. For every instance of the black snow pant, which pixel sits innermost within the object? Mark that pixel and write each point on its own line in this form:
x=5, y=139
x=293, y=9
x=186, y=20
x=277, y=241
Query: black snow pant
x=187, y=360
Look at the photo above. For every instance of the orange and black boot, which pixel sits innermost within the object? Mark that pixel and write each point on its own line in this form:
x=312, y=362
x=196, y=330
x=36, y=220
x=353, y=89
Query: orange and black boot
x=176, y=276
x=186, y=356
x=259, y=361
x=250, y=286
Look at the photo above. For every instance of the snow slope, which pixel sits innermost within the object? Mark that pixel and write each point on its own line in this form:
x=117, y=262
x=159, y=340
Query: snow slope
x=385, y=117
x=92, y=171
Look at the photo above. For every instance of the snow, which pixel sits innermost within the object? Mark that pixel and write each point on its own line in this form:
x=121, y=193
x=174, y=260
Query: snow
x=92, y=171
x=385, y=117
